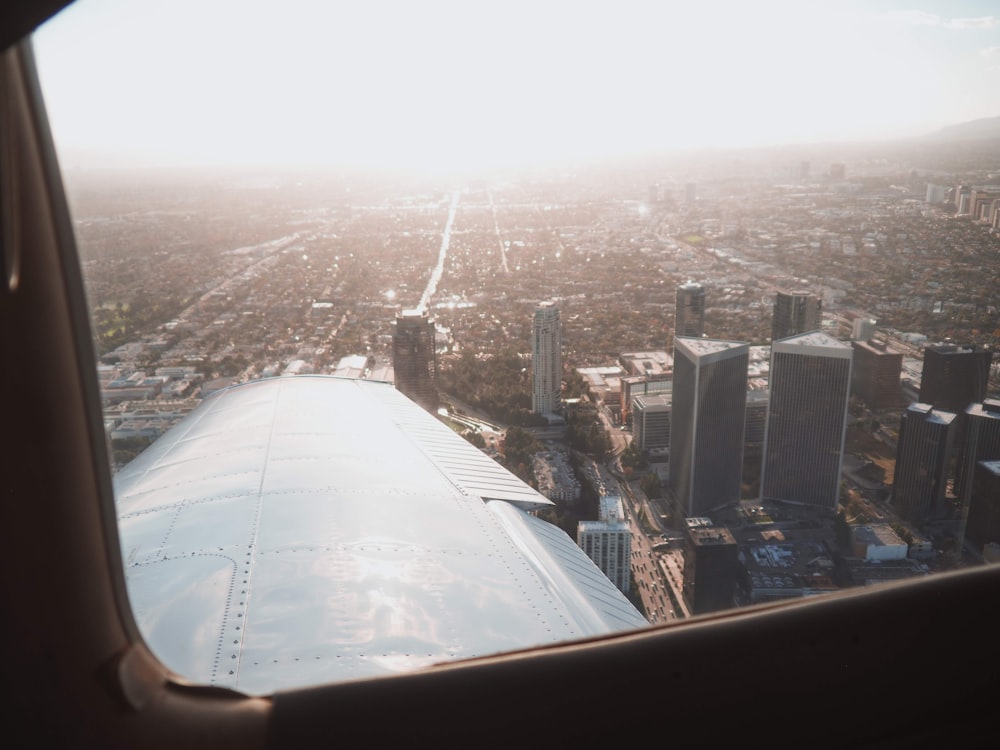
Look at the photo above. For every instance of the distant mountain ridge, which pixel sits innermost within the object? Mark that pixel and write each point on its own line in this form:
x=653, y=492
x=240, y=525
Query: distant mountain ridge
x=985, y=128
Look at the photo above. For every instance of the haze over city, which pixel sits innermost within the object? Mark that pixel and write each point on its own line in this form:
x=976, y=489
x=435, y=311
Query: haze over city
x=265, y=193
x=446, y=86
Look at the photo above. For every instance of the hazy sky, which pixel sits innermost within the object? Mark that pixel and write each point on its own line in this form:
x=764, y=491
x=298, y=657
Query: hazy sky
x=427, y=83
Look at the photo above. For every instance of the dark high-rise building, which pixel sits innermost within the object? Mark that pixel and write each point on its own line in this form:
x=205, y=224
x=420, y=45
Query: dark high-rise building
x=922, y=457
x=689, y=317
x=981, y=443
x=414, y=358
x=983, y=525
x=875, y=374
x=954, y=376
x=707, y=419
x=794, y=313
x=711, y=567
x=806, y=419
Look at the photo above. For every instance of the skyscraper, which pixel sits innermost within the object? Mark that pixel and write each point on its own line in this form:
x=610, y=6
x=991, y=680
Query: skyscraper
x=954, y=376
x=414, y=358
x=922, y=457
x=981, y=443
x=875, y=374
x=983, y=524
x=707, y=420
x=608, y=541
x=810, y=384
x=689, y=316
x=794, y=313
x=546, y=359
x=711, y=566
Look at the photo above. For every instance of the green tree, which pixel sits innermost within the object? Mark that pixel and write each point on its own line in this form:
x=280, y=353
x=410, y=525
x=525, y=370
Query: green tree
x=475, y=438
x=631, y=458
x=519, y=446
x=650, y=484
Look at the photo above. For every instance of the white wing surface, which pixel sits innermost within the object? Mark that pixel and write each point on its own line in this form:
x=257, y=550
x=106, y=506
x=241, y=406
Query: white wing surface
x=307, y=529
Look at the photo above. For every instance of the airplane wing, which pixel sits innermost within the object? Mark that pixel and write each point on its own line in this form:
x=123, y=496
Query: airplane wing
x=309, y=529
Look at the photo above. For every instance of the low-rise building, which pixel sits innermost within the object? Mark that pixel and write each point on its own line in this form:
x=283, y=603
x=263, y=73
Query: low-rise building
x=651, y=421
x=878, y=542
x=776, y=569
x=555, y=477
x=639, y=385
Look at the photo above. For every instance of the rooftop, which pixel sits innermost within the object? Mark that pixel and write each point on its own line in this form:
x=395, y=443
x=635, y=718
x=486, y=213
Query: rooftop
x=659, y=399
x=711, y=535
x=930, y=414
x=880, y=534
x=990, y=408
x=814, y=339
x=703, y=347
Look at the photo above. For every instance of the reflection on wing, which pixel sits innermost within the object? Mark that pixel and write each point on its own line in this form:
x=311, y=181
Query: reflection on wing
x=303, y=530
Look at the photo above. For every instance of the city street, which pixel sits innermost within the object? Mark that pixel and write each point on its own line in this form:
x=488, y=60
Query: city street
x=657, y=571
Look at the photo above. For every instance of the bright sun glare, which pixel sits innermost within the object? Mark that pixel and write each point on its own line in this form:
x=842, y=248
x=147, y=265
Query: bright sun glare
x=451, y=85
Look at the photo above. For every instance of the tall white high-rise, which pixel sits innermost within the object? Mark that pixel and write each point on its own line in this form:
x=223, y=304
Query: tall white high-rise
x=546, y=359
x=607, y=541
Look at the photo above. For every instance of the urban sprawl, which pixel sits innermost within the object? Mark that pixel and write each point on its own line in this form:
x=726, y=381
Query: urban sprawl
x=740, y=376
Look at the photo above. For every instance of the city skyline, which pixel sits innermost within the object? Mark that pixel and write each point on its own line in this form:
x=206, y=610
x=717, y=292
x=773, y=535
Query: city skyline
x=203, y=285
x=448, y=86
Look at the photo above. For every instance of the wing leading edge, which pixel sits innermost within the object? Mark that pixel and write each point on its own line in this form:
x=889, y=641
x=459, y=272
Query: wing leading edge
x=303, y=530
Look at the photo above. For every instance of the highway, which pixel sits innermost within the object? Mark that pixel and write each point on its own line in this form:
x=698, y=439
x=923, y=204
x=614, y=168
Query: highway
x=432, y=283
x=658, y=572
